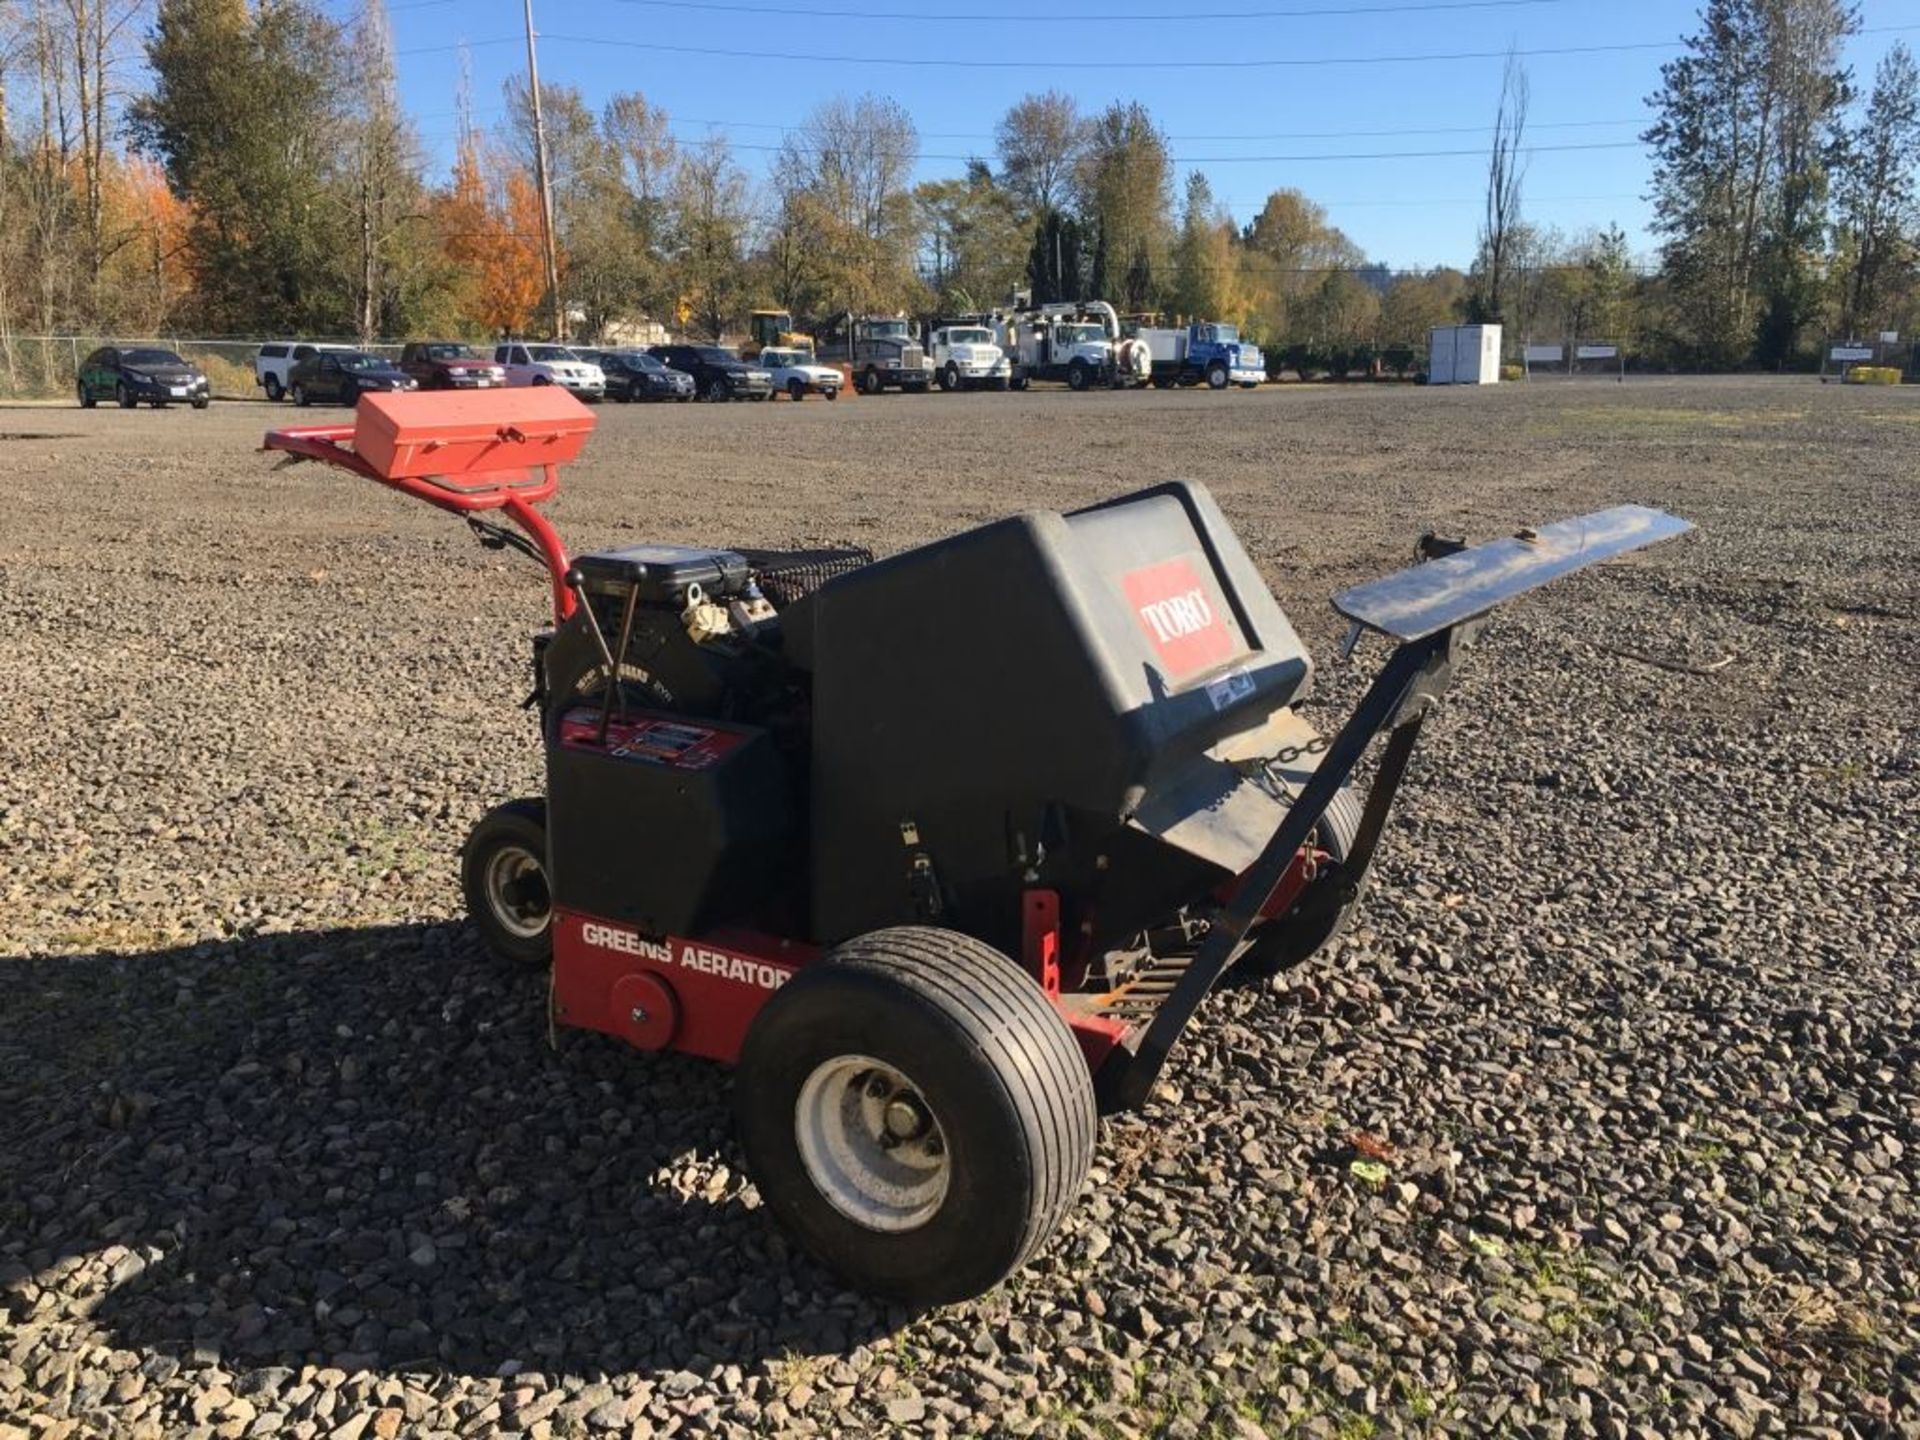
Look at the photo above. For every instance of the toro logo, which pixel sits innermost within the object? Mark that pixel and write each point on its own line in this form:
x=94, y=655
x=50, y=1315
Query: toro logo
x=1176, y=610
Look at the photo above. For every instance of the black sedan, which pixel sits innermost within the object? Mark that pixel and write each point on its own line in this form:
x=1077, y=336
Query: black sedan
x=636, y=375
x=717, y=374
x=343, y=376
x=135, y=374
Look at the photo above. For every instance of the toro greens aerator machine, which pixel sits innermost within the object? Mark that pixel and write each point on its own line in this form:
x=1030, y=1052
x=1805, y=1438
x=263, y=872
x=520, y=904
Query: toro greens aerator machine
x=942, y=850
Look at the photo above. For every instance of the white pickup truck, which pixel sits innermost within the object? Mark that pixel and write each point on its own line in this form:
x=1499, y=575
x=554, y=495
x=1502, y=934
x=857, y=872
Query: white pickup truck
x=965, y=356
x=275, y=362
x=551, y=365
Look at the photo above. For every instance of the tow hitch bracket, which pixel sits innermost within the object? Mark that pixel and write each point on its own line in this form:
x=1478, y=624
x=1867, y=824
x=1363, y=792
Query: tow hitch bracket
x=1435, y=610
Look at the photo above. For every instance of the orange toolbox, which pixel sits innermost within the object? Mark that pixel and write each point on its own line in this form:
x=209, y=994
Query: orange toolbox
x=451, y=433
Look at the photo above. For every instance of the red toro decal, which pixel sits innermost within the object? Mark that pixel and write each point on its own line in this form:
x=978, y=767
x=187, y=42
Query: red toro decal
x=1178, y=612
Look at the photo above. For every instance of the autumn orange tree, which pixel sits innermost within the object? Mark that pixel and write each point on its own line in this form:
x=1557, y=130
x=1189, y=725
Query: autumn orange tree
x=490, y=228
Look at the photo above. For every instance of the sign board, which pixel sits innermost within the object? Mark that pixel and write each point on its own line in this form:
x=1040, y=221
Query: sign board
x=1544, y=354
x=1844, y=353
x=1596, y=352
x=1889, y=337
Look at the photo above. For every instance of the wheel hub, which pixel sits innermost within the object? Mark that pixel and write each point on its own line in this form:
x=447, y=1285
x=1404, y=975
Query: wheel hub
x=517, y=891
x=870, y=1144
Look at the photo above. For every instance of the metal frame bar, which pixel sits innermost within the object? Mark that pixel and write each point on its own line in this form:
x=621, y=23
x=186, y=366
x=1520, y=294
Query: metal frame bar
x=1415, y=676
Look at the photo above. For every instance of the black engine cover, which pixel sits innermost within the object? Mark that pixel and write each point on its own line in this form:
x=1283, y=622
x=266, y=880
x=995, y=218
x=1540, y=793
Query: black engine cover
x=672, y=825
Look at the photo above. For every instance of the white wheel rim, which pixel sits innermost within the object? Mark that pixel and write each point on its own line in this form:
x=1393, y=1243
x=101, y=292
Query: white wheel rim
x=871, y=1145
x=510, y=867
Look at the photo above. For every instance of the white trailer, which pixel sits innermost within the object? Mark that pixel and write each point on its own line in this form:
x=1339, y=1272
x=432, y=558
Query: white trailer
x=1463, y=355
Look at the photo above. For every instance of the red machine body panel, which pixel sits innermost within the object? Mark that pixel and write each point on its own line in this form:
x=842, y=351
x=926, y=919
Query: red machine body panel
x=455, y=433
x=666, y=992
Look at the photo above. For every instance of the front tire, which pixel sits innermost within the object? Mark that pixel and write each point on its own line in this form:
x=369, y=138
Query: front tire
x=915, y=1111
x=201, y=402
x=125, y=396
x=1216, y=376
x=797, y=390
x=717, y=392
x=503, y=873
x=950, y=378
x=1077, y=376
x=870, y=382
x=300, y=396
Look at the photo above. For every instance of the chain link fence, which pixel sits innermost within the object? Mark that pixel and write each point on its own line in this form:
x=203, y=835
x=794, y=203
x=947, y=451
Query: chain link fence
x=44, y=367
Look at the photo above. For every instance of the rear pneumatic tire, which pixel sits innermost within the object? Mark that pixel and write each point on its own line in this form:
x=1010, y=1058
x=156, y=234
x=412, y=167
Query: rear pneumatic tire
x=1293, y=938
x=87, y=402
x=274, y=388
x=503, y=873
x=916, y=1113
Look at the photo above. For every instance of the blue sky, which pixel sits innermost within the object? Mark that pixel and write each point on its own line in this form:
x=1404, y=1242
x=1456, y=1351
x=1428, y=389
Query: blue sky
x=1403, y=209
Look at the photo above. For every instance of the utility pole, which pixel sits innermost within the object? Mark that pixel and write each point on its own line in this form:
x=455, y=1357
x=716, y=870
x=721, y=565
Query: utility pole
x=541, y=179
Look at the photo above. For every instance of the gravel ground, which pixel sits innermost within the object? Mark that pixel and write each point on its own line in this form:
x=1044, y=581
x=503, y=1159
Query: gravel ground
x=1604, y=1120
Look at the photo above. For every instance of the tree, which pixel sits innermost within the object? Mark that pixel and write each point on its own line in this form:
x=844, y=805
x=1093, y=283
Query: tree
x=970, y=240
x=225, y=79
x=1417, y=302
x=1040, y=142
x=1057, y=261
x=1288, y=250
x=1739, y=169
x=1124, y=184
x=384, y=181
x=711, y=219
x=1875, y=191
x=1506, y=175
x=844, y=178
x=1206, y=267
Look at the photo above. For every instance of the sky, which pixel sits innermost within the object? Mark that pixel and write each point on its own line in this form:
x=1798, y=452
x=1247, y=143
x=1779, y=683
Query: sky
x=1380, y=110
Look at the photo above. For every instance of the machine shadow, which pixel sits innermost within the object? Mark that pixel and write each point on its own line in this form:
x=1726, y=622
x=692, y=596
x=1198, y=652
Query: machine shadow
x=357, y=1148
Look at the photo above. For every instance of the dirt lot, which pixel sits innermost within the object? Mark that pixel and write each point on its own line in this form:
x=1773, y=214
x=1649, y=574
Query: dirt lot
x=1633, y=1001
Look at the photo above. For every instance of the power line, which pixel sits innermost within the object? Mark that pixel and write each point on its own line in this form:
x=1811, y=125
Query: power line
x=1055, y=66
x=1479, y=152
x=1267, y=135
x=1393, y=7
x=948, y=63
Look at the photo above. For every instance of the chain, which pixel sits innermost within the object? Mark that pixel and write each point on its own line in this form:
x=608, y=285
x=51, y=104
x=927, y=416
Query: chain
x=1287, y=754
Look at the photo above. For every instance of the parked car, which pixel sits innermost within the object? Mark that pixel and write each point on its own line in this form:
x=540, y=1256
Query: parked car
x=136, y=374
x=273, y=366
x=449, y=365
x=718, y=374
x=794, y=373
x=550, y=365
x=344, y=376
x=636, y=375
